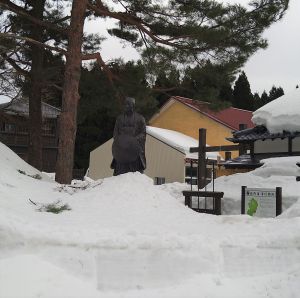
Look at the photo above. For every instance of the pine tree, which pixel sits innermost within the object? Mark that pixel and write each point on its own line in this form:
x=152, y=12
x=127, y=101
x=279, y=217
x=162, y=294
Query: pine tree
x=256, y=101
x=242, y=96
x=275, y=93
x=32, y=63
x=264, y=98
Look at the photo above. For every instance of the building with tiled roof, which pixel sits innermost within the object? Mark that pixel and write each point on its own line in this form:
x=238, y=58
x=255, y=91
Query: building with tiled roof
x=14, y=130
x=276, y=134
x=186, y=115
x=20, y=107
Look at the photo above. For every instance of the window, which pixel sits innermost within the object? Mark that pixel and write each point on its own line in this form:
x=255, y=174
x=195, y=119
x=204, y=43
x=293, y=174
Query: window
x=48, y=128
x=10, y=127
x=159, y=180
x=191, y=173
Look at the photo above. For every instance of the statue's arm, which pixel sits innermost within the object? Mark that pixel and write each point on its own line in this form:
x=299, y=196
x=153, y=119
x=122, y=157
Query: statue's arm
x=141, y=136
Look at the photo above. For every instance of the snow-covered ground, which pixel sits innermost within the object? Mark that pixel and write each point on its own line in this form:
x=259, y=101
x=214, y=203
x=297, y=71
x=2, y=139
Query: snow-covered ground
x=125, y=237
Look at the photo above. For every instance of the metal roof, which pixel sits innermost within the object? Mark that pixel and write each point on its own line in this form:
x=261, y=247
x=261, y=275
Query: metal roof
x=230, y=117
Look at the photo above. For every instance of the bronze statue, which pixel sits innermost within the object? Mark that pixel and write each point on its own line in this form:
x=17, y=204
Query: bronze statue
x=128, y=148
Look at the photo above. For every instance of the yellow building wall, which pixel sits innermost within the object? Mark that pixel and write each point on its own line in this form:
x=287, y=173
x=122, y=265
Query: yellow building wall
x=186, y=120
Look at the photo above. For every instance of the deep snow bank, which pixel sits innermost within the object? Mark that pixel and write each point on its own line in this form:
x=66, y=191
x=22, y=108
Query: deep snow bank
x=125, y=237
x=280, y=114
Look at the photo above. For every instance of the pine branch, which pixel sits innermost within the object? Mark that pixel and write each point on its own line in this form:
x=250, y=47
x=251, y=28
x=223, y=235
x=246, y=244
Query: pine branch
x=8, y=5
x=132, y=20
x=102, y=64
x=32, y=41
x=16, y=67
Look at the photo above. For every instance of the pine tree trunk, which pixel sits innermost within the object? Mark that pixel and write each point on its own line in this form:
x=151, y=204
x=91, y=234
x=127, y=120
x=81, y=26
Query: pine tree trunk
x=35, y=111
x=68, y=117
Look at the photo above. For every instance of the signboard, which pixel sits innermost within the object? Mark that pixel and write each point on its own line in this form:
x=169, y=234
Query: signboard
x=261, y=202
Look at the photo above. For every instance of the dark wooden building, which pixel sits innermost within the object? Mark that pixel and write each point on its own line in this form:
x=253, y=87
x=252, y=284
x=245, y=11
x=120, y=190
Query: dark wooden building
x=14, y=130
x=262, y=144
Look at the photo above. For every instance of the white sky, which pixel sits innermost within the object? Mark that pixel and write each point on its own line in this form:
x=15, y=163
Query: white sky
x=278, y=65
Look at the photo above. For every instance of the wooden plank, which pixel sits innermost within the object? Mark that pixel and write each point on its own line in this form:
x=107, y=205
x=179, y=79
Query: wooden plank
x=217, y=148
x=207, y=194
x=215, y=195
x=222, y=148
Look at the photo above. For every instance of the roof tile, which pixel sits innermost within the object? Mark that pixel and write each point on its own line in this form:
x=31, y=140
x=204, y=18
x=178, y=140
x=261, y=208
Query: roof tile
x=230, y=117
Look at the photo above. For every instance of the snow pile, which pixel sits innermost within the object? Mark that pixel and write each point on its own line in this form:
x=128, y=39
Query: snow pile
x=179, y=141
x=125, y=237
x=281, y=114
x=276, y=172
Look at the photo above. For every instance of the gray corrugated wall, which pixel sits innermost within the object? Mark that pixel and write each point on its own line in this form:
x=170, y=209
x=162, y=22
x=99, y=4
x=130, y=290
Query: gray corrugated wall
x=100, y=160
x=162, y=161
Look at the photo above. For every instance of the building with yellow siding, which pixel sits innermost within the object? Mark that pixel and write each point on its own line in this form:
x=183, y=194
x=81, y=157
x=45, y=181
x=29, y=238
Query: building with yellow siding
x=186, y=115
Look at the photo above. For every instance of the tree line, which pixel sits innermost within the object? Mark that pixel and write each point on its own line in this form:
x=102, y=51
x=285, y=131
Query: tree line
x=243, y=98
x=42, y=47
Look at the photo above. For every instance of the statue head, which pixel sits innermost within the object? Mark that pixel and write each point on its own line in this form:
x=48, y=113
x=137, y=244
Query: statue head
x=129, y=105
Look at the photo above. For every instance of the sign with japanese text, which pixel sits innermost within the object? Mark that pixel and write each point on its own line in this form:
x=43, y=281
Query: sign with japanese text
x=261, y=202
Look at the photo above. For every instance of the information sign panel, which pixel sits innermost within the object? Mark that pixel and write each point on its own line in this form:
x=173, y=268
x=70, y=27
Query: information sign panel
x=261, y=202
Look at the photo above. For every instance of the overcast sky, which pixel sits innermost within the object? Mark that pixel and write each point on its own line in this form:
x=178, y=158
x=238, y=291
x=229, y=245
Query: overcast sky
x=278, y=65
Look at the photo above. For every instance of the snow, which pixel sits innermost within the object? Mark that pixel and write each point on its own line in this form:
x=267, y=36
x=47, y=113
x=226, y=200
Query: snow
x=179, y=141
x=281, y=114
x=125, y=237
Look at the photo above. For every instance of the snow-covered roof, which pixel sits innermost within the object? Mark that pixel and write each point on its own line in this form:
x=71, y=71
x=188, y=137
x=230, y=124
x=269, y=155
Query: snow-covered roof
x=21, y=107
x=178, y=141
x=281, y=114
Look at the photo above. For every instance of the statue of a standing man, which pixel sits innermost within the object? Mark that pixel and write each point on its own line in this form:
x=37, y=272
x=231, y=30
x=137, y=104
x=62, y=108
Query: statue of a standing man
x=128, y=148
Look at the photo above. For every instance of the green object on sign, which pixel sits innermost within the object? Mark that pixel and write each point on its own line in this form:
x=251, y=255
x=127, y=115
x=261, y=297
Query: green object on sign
x=252, y=207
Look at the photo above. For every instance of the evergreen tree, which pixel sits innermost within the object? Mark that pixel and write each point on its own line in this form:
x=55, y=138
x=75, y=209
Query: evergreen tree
x=166, y=85
x=242, y=96
x=275, y=93
x=210, y=82
x=256, y=101
x=37, y=74
x=264, y=98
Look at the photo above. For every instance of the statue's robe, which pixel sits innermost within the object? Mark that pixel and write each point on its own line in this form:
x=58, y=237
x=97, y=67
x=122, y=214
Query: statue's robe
x=129, y=144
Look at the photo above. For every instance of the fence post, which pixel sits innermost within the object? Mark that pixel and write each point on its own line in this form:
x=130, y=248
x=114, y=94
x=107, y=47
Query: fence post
x=202, y=159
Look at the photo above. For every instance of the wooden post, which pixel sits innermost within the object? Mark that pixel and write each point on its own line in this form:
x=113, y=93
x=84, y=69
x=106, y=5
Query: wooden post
x=278, y=201
x=202, y=158
x=243, y=199
x=252, y=150
x=290, y=146
x=217, y=206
